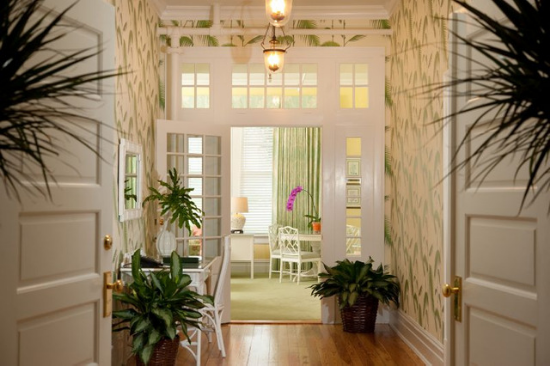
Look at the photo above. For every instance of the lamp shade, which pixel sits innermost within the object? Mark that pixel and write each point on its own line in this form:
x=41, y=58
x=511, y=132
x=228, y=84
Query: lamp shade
x=278, y=11
x=274, y=59
x=239, y=204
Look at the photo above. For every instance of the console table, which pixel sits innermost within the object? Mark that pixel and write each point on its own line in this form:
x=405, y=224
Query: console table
x=242, y=250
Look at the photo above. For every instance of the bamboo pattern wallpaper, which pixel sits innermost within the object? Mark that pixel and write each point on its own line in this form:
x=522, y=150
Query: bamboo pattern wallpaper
x=418, y=58
x=137, y=107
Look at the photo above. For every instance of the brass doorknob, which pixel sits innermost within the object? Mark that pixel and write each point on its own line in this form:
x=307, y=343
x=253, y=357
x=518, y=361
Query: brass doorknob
x=448, y=290
x=116, y=286
x=107, y=242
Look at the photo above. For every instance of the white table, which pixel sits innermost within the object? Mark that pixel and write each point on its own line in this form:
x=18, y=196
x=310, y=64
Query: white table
x=199, y=273
x=242, y=249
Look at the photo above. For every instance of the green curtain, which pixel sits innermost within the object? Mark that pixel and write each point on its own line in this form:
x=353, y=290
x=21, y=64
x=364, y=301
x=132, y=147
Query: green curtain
x=296, y=162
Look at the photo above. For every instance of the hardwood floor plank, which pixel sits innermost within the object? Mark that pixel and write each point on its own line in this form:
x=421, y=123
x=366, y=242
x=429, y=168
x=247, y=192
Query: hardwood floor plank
x=304, y=344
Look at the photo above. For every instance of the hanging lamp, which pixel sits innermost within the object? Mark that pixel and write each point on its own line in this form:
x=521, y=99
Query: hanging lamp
x=274, y=54
x=278, y=11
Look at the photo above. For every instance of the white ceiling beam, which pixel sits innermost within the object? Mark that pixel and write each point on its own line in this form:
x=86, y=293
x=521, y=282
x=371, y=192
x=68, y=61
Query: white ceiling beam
x=257, y=12
x=177, y=32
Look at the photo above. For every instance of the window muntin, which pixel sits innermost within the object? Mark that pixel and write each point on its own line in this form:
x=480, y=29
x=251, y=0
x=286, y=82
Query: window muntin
x=195, y=86
x=354, y=86
x=294, y=88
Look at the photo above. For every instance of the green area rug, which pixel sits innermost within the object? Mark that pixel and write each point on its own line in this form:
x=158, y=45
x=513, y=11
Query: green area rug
x=265, y=299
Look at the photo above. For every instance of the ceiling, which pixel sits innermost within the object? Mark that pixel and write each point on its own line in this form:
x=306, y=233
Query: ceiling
x=253, y=9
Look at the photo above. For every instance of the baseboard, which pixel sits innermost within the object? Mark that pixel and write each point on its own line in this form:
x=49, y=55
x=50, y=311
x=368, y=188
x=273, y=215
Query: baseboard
x=429, y=349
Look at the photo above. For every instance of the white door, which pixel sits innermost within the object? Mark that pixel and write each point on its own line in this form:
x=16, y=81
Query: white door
x=201, y=155
x=52, y=257
x=501, y=256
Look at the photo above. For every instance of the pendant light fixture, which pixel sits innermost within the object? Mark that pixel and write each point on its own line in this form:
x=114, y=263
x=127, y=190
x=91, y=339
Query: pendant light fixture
x=278, y=11
x=274, y=55
x=278, y=14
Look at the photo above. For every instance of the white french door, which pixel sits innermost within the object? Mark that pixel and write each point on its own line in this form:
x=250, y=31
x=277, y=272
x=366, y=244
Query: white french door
x=201, y=155
x=501, y=256
x=52, y=254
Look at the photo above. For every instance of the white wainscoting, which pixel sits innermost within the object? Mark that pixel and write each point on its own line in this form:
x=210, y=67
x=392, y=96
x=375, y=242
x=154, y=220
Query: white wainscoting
x=425, y=345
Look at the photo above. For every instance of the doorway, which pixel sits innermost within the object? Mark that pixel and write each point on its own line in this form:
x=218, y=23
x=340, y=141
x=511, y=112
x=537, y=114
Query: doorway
x=267, y=163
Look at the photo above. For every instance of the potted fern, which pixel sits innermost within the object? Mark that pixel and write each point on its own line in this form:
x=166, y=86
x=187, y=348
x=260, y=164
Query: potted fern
x=359, y=287
x=158, y=305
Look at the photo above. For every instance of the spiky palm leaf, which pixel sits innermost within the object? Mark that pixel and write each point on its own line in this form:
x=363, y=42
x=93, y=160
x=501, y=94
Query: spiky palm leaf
x=311, y=40
x=186, y=41
x=354, y=39
x=33, y=98
x=513, y=83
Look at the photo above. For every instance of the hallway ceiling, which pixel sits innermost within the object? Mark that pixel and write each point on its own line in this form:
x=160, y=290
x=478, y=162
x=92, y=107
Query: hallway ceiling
x=254, y=9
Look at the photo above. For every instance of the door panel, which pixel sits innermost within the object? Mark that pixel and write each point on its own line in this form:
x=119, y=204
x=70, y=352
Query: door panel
x=500, y=253
x=201, y=155
x=52, y=257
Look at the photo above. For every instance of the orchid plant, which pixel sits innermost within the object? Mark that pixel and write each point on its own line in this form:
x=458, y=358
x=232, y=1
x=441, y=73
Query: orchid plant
x=290, y=204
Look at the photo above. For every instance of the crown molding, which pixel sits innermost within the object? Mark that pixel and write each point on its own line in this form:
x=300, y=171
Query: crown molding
x=159, y=5
x=169, y=12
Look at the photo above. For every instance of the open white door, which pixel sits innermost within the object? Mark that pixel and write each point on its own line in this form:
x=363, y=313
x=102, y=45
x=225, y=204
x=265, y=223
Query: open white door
x=201, y=155
x=52, y=255
x=501, y=257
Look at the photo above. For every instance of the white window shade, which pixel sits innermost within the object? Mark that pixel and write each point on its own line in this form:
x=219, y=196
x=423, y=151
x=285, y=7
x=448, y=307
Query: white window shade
x=255, y=178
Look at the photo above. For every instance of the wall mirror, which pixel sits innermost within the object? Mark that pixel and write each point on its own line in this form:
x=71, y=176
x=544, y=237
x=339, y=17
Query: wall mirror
x=130, y=178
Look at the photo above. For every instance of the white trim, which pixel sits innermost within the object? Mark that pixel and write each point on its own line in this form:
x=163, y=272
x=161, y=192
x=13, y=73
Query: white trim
x=447, y=219
x=159, y=5
x=425, y=345
x=202, y=12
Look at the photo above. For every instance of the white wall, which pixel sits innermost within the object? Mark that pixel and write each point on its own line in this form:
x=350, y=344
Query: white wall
x=337, y=124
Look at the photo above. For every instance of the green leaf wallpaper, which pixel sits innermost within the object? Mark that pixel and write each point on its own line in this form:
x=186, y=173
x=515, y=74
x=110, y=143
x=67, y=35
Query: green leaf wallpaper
x=137, y=107
x=418, y=57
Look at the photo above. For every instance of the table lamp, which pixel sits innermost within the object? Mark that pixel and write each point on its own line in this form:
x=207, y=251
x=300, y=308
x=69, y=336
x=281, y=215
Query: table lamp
x=238, y=205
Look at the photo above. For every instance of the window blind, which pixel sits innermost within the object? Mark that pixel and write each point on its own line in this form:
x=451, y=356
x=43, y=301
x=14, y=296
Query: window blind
x=256, y=177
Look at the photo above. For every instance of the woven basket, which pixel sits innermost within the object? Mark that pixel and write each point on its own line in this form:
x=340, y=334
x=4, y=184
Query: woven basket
x=164, y=354
x=361, y=317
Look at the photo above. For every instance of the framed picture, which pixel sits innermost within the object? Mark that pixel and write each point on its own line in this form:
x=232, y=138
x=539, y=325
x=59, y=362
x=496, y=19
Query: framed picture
x=353, y=167
x=353, y=191
x=353, y=202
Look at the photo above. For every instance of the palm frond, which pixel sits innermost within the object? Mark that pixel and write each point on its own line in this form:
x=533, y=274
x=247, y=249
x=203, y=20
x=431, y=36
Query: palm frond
x=311, y=40
x=330, y=44
x=186, y=41
x=511, y=86
x=33, y=99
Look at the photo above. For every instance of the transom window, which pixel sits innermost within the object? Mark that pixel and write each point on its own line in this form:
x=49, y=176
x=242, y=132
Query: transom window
x=195, y=86
x=295, y=87
x=354, y=86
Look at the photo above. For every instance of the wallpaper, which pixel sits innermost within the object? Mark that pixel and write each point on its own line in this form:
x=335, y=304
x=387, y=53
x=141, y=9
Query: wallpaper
x=137, y=107
x=418, y=58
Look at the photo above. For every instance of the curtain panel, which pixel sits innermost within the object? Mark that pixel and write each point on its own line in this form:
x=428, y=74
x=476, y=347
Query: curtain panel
x=296, y=162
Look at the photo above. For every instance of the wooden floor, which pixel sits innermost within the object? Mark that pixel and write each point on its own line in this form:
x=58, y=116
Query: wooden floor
x=304, y=344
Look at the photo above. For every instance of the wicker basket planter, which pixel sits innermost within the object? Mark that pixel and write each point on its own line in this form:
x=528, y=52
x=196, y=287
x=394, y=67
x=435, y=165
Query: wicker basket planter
x=164, y=354
x=361, y=316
